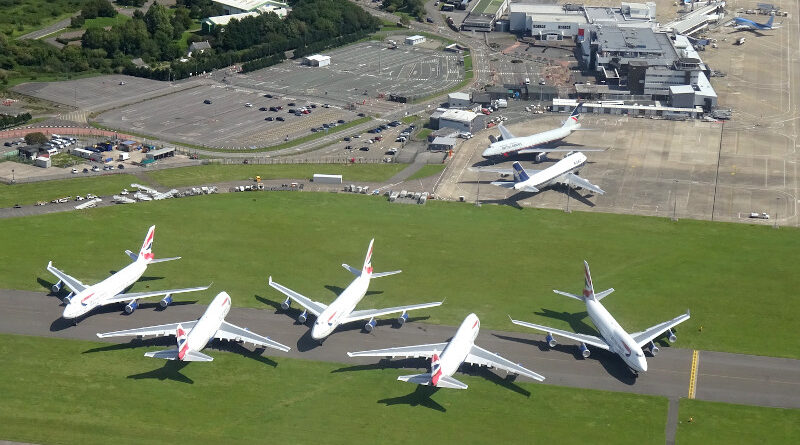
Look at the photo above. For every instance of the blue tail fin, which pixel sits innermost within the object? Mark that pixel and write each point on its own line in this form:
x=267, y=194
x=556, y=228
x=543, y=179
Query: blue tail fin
x=519, y=173
x=769, y=22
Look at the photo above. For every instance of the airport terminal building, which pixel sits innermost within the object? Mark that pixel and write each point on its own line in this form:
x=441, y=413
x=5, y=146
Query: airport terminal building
x=560, y=22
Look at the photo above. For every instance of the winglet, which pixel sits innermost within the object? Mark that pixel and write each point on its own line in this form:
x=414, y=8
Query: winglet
x=270, y=280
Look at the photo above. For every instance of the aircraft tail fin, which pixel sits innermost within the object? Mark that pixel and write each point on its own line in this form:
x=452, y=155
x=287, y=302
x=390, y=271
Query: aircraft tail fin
x=588, y=287
x=183, y=345
x=574, y=117
x=519, y=173
x=367, y=268
x=769, y=22
x=146, y=251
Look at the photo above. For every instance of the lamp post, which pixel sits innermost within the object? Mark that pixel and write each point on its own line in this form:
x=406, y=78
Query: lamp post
x=13, y=179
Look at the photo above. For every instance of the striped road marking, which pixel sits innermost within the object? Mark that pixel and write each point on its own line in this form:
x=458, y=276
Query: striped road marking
x=693, y=376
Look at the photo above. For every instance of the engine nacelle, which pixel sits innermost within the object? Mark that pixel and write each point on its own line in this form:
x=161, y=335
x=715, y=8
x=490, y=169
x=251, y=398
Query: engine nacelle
x=303, y=317
x=653, y=349
x=585, y=352
x=68, y=298
x=402, y=318
x=285, y=305
x=540, y=157
x=130, y=307
x=166, y=301
x=672, y=337
x=370, y=325
x=57, y=287
x=550, y=340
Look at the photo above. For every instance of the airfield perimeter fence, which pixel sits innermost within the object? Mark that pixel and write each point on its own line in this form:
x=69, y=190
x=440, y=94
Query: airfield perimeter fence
x=286, y=160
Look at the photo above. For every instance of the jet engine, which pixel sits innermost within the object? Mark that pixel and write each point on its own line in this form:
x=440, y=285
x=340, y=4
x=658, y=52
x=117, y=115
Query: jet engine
x=672, y=337
x=370, y=325
x=166, y=301
x=68, y=298
x=285, y=305
x=540, y=157
x=130, y=307
x=585, y=352
x=402, y=318
x=550, y=340
x=492, y=139
x=653, y=349
x=303, y=317
x=57, y=287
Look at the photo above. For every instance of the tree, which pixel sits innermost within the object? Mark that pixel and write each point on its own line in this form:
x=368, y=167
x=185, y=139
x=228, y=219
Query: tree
x=35, y=138
x=157, y=19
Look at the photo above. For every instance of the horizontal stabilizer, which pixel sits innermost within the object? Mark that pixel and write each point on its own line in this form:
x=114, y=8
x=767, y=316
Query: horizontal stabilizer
x=419, y=379
x=352, y=270
x=504, y=184
x=529, y=189
x=133, y=256
x=172, y=354
x=161, y=260
x=567, y=294
x=385, y=274
x=449, y=382
x=600, y=295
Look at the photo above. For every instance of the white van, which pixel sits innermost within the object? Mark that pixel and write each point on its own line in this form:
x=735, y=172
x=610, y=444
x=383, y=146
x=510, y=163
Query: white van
x=52, y=151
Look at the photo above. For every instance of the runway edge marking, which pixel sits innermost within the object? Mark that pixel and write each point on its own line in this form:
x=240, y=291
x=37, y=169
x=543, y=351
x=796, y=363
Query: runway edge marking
x=693, y=375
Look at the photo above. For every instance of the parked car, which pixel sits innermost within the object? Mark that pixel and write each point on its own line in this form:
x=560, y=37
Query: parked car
x=207, y=101
x=340, y=121
x=291, y=104
x=263, y=109
x=279, y=118
x=269, y=118
x=74, y=170
x=268, y=96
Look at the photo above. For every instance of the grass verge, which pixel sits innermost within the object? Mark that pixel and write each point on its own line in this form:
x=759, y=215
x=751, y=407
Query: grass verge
x=30, y=193
x=426, y=171
x=714, y=422
x=245, y=398
x=460, y=252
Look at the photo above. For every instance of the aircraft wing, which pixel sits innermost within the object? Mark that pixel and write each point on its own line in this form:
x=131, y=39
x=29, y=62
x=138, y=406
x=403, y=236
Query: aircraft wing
x=504, y=184
x=646, y=336
x=315, y=307
x=577, y=181
x=555, y=150
x=369, y=313
x=588, y=339
x=505, y=132
x=159, y=330
x=480, y=356
x=403, y=351
x=136, y=295
x=505, y=171
x=73, y=283
x=232, y=332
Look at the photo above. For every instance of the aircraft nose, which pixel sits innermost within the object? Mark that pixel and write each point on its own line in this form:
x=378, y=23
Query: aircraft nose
x=317, y=334
x=642, y=365
x=486, y=153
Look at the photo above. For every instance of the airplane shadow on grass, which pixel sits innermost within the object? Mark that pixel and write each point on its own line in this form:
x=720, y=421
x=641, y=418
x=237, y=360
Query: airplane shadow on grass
x=170, y=371
x=420, y=397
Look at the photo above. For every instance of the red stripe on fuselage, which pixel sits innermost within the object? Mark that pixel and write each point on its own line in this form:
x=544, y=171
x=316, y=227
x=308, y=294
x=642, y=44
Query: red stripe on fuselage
x=331, y=317
x=87, y=297
x=476, y=324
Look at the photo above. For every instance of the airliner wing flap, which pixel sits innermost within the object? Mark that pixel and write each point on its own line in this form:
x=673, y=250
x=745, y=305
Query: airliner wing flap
x=158, y=330
x=482, y=357
x=69, y=281
x=577, y=181
x=646, y=336
x=584, y=338
x=403, y=351
x=228, y=331
x=136, y=295
x=369, y=313
x=505, y=132
x=312, y=306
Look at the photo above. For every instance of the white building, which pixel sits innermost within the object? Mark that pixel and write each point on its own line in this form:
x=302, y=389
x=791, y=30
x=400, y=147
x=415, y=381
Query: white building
x=458, y=100
x=461, y=120
x=230, y=7
x=210, y=23
x=557, y=22
x=415, y=40
x=317, y=60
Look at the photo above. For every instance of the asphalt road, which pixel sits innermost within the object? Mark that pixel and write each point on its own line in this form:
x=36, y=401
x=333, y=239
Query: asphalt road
x=724, y=377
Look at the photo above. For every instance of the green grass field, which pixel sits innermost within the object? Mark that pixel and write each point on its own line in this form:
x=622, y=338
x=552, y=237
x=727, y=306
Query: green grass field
x=206, y=174
x=426, y=171
x=45, y=191
x=736, y=424
x=739, y=280
x=78, y=392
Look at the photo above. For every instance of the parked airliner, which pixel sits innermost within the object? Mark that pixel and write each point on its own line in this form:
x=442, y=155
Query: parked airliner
x=83, y=298
x=749, y=25
x=341, y=310
x=447, y=357
x=564, y=171
x=193, y=336
x=511, y=145
x=627, y=346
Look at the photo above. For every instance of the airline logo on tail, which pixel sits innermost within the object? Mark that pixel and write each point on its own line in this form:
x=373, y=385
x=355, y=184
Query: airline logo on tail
x=147, y=246
x=588, y=287
x=572, y=121
x=436, y=369
x=183, y=345
x=367, y=269
x=519, y=173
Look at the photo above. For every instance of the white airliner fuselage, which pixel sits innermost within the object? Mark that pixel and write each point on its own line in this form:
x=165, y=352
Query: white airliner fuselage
x=207, y=325
x=546, y=177
x=619, y=341
x=456, y=351
x=93, y=296
x=515, y=145
x=344, y=304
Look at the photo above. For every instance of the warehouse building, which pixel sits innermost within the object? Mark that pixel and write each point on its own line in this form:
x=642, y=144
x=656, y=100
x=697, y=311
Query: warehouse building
x=211, y=23
x=442, y=144
x=317, y=60
x=458, y=100
x=230, y=7
x=415, y=40
x=461, y=120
